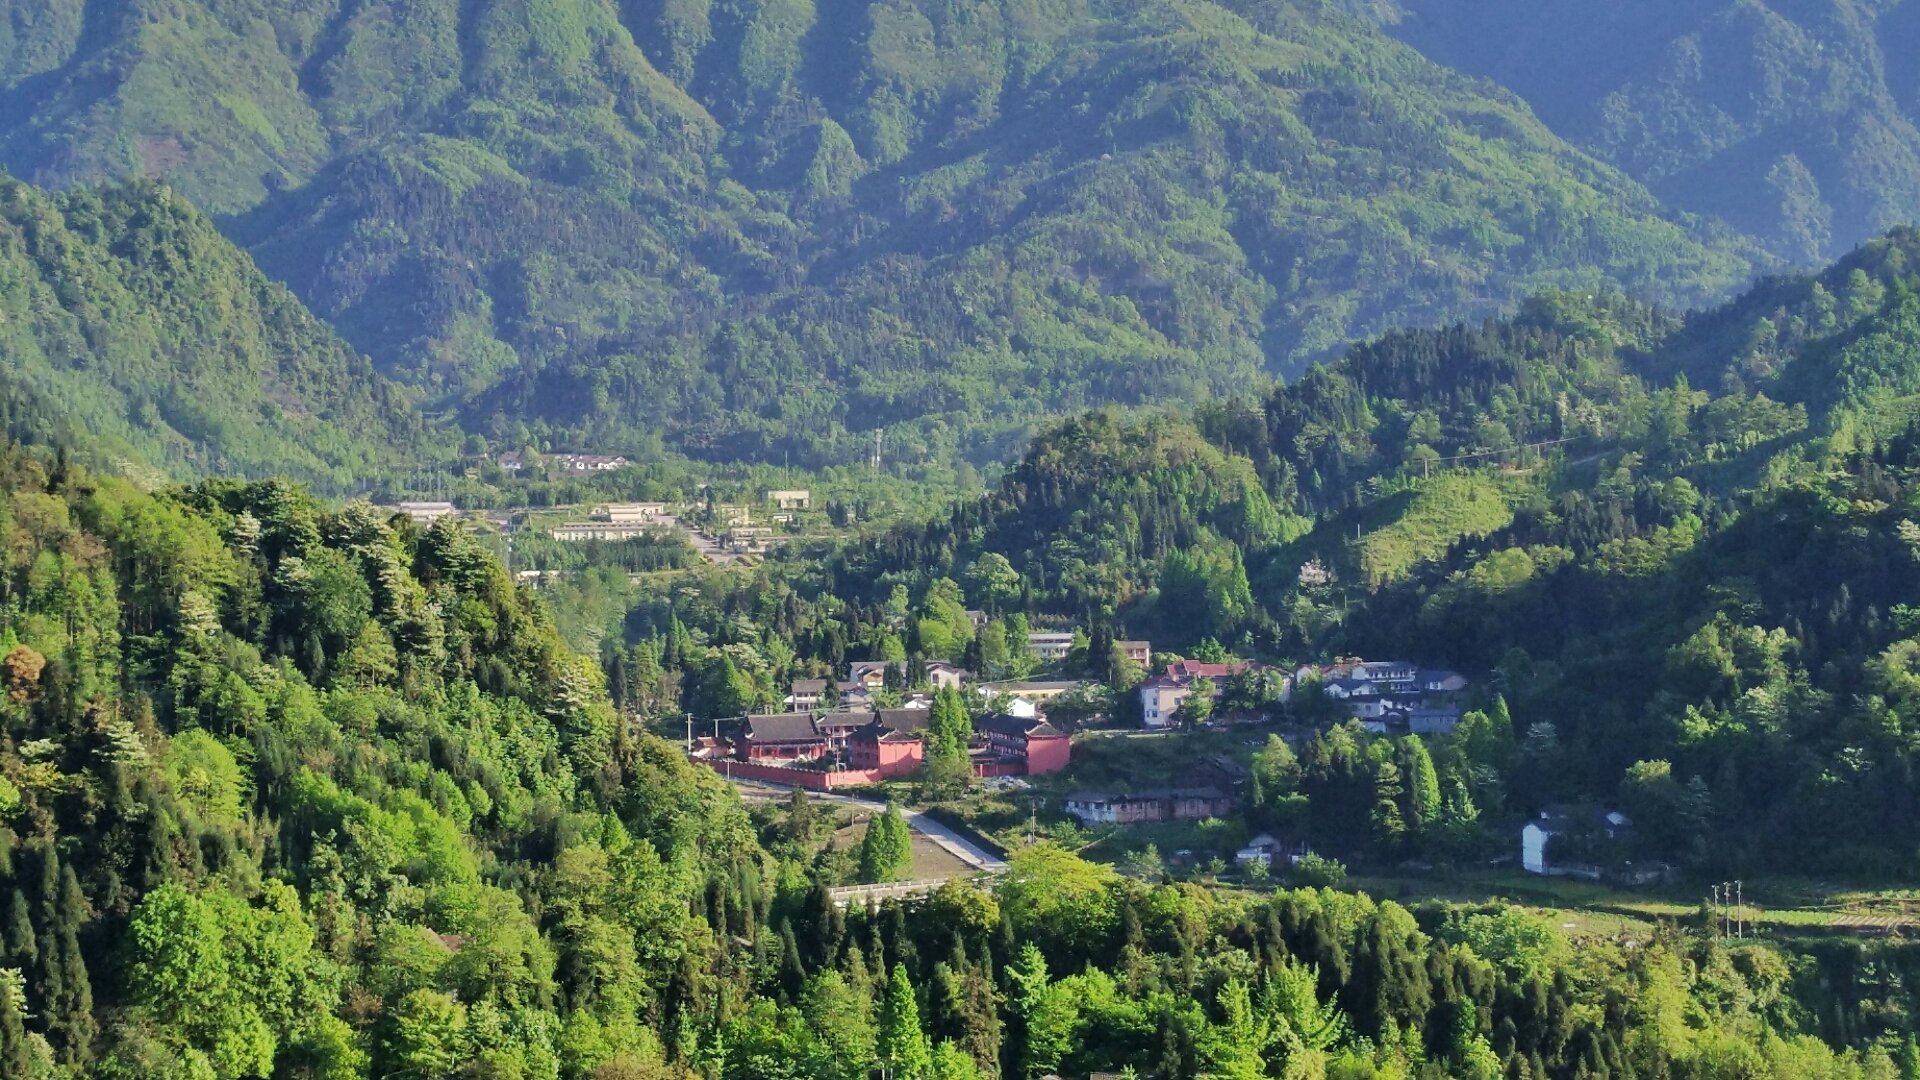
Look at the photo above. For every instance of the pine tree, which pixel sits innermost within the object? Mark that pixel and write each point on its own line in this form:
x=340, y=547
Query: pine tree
x=22, y=949
x=793, y=971
x=15, y=1060
x=903, y=1050
x=70, y=1014
x=1388, y=827
x=1422, y=799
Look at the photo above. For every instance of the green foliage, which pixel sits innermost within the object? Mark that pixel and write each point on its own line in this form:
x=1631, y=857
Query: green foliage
x=1681, y=95
x=886, y=851
x=134, y=330
x=767, y=228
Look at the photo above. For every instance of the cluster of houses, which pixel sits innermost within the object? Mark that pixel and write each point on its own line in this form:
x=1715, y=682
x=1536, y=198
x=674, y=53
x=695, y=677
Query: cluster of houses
x=836, y=749
x=1384, y=695
x=513, y=461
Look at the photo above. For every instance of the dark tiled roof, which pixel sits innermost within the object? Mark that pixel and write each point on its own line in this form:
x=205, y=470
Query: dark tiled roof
x=782, y=728
x=1001, y=723
x=903, y=720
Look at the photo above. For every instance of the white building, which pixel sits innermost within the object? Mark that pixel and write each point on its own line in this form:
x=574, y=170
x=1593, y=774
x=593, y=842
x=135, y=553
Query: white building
x=425, y=513
x=1539, y=833
x=1050, y=645
x=632, y=513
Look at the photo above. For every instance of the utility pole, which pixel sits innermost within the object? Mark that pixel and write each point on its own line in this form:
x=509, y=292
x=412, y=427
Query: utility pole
x=1740, y=907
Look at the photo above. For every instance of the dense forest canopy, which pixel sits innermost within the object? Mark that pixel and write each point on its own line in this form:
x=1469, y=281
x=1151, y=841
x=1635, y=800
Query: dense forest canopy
x=1651, y=562
x=292, y=790
x=129, y=324
x=764, y=229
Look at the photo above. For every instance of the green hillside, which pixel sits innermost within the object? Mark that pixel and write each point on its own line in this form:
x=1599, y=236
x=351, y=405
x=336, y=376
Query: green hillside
x=1683, y=541
x=1794, y=122
x=765, y=229
x=131, y=328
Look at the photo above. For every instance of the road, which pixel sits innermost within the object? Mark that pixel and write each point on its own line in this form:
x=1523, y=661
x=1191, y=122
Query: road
x=708, y=547
x=957, y=845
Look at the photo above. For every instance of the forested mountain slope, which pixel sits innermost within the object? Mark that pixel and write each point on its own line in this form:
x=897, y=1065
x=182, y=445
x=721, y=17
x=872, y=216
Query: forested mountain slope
x=1689, y=541
x=760, y=227
x=129, y=326
x=1794, y=122
x=292, y=790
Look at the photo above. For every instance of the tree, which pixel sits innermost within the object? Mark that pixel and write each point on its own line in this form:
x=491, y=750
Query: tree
x=902, y=1048
x=948, y=738
x=886, y=851
x=428, y=1036
x=944, y=626
x=1235, y=1046
x=1197, y=707
x=185, y=972
x=840, y=1012
x=16, y=1058
x=1387, y=822
x=1422, y=798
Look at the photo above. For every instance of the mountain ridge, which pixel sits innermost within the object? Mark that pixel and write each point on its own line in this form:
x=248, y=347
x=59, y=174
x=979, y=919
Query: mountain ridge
x=754, y=229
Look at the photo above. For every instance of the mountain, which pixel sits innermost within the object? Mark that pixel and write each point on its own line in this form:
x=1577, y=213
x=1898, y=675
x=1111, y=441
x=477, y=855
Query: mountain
x=1795, y=122
x=131, y=328
x=760, y=229
x=1678, y=543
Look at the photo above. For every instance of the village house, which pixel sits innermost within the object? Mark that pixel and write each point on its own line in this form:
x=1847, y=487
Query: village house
x=1587, y=830
x=1036, y=744
x=1160, y=696
x=798, y=499
x=1162, y=804
x=1140, y=652
x=747, y=537
x=945, y=676
x=1267, y=850
x=804, y=694
x=728, y=516
x=425, y=513
x=1050, y=645
x=889, y=752
x=872, y=674
x=587, y=462
x=780, y=737
x=1389, y=696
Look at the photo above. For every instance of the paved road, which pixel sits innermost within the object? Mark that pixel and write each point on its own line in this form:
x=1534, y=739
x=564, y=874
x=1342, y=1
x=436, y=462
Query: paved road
x=961, y=848
x=708, y=547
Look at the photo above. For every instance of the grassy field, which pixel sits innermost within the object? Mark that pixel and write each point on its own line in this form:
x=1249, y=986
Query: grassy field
x=1774, y=907
x=931, y=862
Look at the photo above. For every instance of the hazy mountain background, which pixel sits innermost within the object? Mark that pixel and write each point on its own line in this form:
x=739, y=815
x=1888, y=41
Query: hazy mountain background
x=757, y=228
x=1792, y=120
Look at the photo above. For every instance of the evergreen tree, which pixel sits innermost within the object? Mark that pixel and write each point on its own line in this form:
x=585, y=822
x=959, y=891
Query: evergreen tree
x=1421, y=804
x=1386, y=824
x=70, y=1018
x=903, y=1050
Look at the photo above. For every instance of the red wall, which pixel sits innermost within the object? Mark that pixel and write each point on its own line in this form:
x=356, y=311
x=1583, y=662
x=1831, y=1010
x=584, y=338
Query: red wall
x=811, y=779
x=1048, y=754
